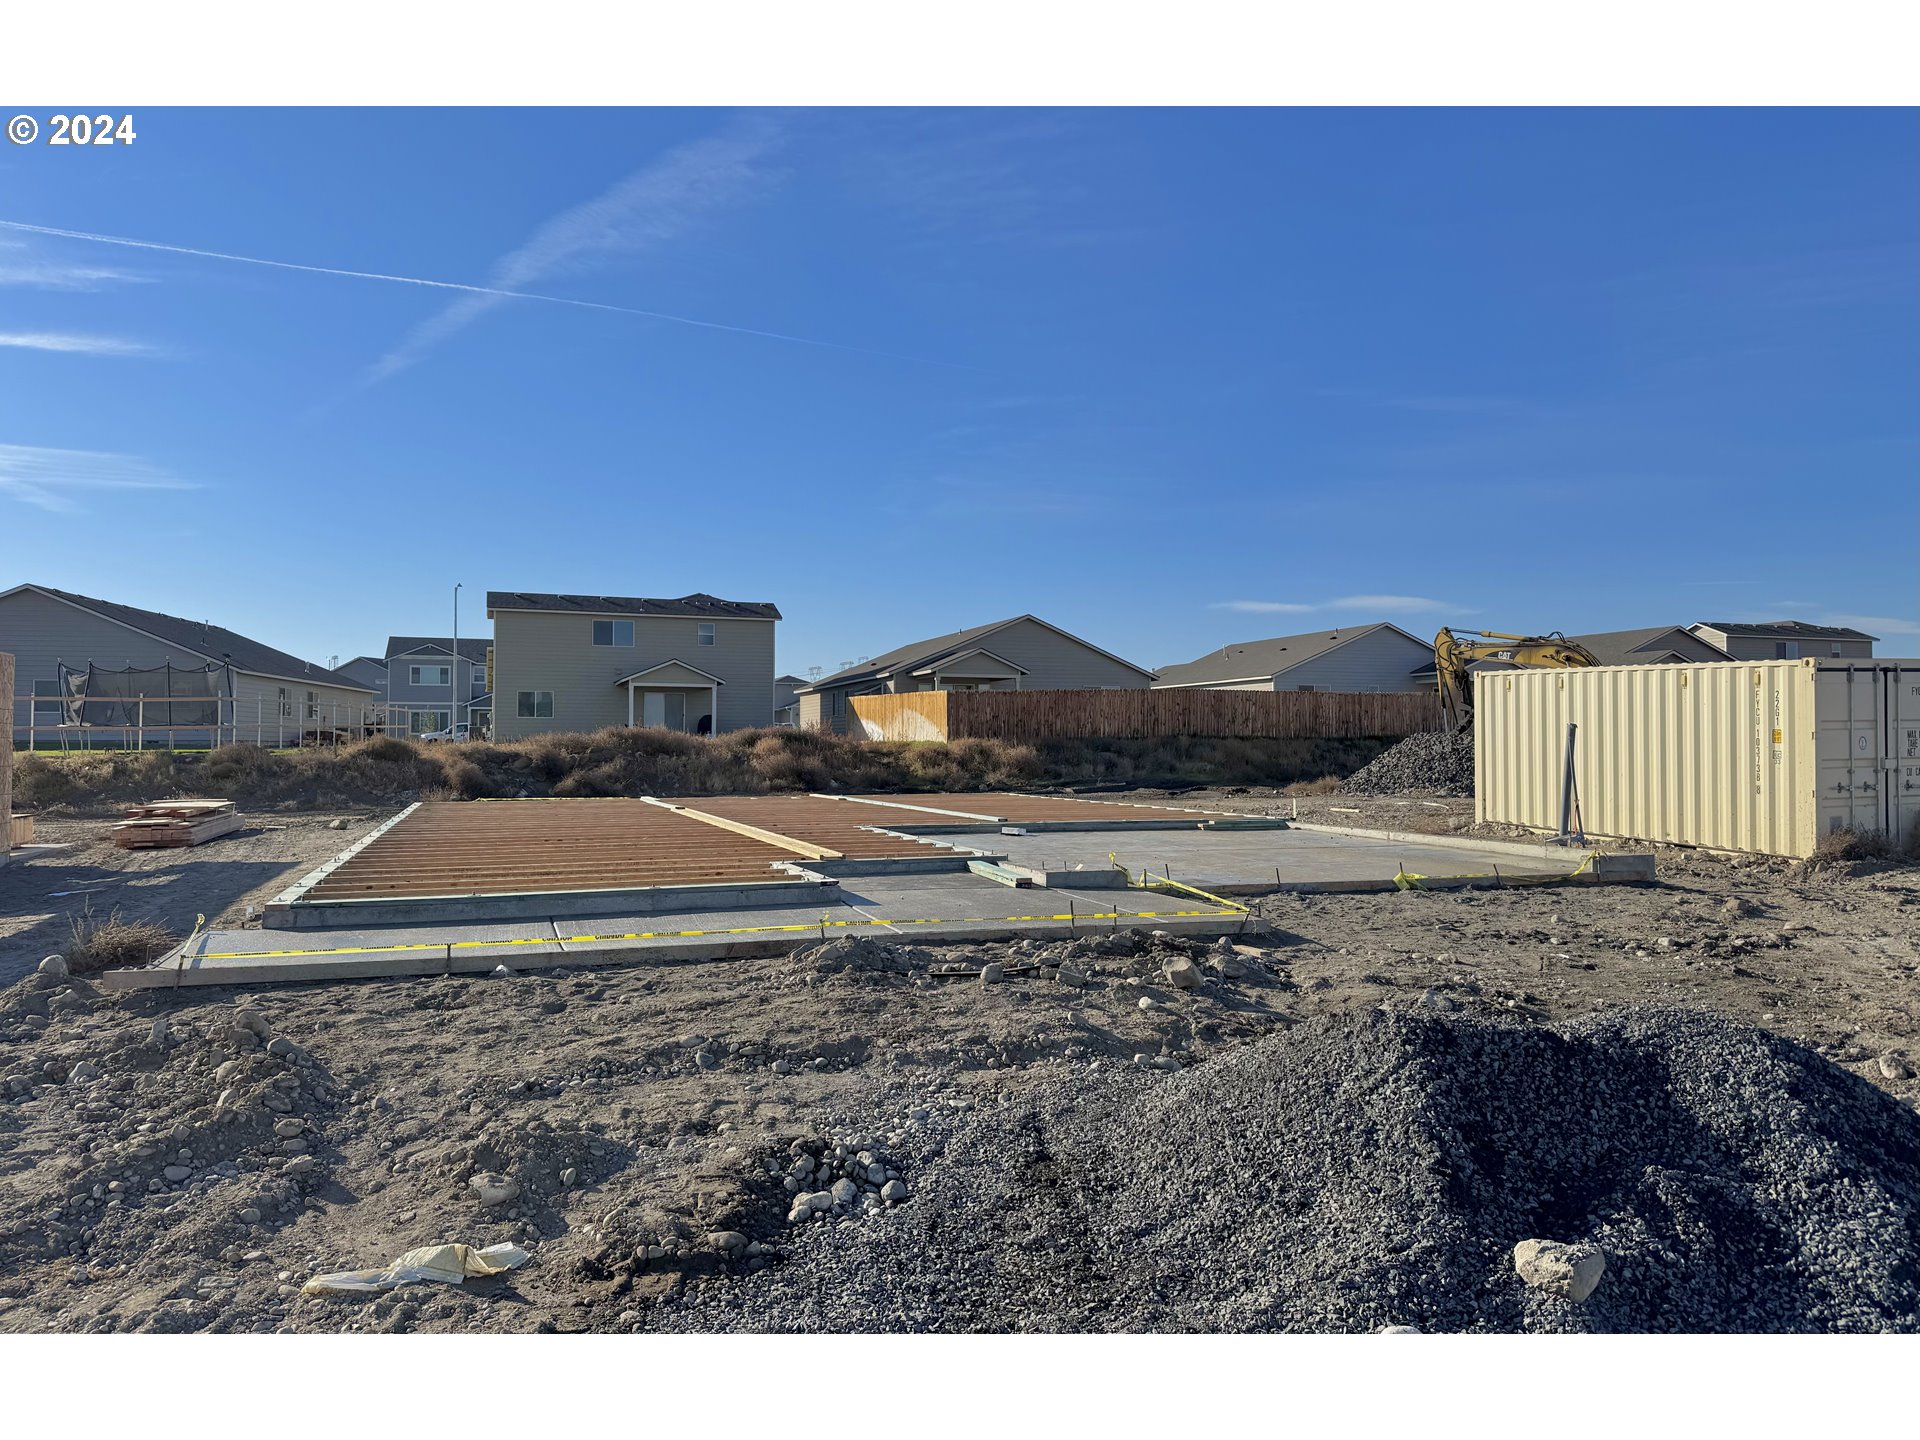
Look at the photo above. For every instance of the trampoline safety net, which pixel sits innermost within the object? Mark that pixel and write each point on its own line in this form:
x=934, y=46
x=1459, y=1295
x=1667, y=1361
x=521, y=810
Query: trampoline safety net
x=174, y=695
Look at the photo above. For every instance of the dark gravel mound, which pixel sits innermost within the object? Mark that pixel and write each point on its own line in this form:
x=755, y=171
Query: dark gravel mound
x=1432, y=762
x=1374, y=1170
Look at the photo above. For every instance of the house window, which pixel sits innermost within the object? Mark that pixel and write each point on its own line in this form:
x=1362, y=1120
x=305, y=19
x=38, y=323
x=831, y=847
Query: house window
x=286, y=704
x=706, y=633
x=1836, y=649
x=313, y=706
x=422, y=722
x=534, y=705
x=613, y=632
x=1786, y=649
x=429, y=675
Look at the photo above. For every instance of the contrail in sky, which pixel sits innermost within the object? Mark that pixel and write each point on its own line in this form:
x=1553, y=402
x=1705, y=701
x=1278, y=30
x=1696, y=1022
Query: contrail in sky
x=454, y=285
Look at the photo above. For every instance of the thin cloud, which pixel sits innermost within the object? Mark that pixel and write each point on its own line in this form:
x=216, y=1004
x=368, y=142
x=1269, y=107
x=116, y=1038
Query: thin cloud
x=19, y=267
x=76, y=344
x=647, y=208
x=51, y=479
x=1389, y=604
x=441, y=325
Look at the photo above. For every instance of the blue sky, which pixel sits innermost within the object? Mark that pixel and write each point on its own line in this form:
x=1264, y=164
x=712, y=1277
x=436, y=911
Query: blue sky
x=1167, y=378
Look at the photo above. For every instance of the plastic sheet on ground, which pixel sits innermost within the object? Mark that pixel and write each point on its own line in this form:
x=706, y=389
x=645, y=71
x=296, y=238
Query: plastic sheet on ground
x=437, y=1264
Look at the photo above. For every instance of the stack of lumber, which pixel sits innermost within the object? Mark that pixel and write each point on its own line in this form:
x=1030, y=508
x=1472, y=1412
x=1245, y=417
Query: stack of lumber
x=175, y=823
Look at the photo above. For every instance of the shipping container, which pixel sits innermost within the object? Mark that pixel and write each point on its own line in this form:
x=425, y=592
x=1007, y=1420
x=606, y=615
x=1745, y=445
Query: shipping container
x=1760, y=756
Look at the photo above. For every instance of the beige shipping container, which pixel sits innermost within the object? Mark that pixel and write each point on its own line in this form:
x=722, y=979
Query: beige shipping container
x=1760, y=756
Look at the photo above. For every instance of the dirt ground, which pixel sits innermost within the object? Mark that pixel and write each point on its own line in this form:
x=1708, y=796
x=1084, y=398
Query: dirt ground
x=41, y=899
x=161, y=1169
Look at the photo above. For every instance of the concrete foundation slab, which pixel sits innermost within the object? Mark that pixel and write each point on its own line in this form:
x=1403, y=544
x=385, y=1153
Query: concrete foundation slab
x=936, y=909
x=1262, y=861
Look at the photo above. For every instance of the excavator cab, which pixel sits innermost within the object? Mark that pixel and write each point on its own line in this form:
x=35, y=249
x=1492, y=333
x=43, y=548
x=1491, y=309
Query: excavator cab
x=1454, y=654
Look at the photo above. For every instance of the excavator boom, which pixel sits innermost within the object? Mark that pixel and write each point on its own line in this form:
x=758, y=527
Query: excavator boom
x=1454, y=654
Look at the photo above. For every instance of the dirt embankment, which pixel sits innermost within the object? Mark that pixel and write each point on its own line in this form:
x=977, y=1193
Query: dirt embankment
x=622, y=761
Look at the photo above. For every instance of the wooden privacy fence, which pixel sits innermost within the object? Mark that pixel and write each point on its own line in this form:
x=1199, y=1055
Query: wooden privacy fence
x=1023, y=715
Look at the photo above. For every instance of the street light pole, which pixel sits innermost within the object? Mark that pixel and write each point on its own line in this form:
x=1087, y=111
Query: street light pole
x=453, y=668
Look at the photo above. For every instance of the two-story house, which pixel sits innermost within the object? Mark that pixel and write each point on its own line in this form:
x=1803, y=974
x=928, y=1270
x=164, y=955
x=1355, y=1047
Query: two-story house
x=580, y=662
x=429, y=688
x=1786, y=640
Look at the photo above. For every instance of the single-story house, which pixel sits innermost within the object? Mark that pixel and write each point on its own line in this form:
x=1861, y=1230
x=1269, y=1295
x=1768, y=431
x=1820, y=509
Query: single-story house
x=1379, y=657
x=582, y=662
x=274, y=698
x=1655, y=645
x=1659, y=645
x=1786, y=640
x=1024, y=653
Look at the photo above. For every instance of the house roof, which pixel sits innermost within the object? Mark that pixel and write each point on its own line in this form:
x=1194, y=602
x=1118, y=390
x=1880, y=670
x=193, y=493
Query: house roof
x=695, y=606
x=789, y=679
x=1787, y=630
x=667, y=665
x=924, y=652
x=1263, y=659
x=212, y=641
x=947, y=662
x=368, y=659
x=1645, y=647
x=472, y=648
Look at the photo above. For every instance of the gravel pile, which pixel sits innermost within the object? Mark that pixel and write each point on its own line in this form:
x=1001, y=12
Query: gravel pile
x=1440, y=764
x=1679, y=1171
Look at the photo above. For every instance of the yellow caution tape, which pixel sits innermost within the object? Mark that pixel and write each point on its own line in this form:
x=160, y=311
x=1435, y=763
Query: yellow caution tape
x=1147, y=882
x=734, y=930
x=1406, y=880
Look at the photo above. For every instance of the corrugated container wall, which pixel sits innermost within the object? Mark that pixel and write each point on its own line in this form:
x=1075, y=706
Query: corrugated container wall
x=1762, y=756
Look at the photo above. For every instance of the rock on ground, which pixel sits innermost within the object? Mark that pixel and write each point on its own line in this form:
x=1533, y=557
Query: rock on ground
x=1373, y=1169
x=1437, y=763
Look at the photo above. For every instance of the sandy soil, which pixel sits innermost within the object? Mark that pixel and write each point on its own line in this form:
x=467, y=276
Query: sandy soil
x=646, y=1107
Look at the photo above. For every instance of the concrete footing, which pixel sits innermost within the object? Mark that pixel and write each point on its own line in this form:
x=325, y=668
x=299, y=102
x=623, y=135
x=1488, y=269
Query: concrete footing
x=572, y=904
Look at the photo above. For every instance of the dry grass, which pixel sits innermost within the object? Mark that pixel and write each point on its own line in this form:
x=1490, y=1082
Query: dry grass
x=614, y=761
x=1325, y=785
x=113, y=943
x=1849, y=847
x=636, y=761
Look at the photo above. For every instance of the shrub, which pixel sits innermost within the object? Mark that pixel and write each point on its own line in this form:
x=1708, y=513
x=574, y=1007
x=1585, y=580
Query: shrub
x=384, y=750
x=113, y=943
x=1847, y=845
x=38, y=783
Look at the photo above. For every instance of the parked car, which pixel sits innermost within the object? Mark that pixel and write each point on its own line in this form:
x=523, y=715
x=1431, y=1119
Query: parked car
x=452, y=732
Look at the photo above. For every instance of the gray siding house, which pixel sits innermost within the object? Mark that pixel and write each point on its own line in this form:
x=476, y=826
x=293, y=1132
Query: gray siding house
x=1024, y=653
x=581, y=662
x=368, y=670
x=1786, y=640
x=786, y=702
x=276, y=697
x=421, y=675
x=1380, y=657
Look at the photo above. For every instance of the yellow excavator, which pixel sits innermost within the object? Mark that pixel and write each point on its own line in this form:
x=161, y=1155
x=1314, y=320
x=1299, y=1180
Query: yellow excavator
x=1452, y=655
